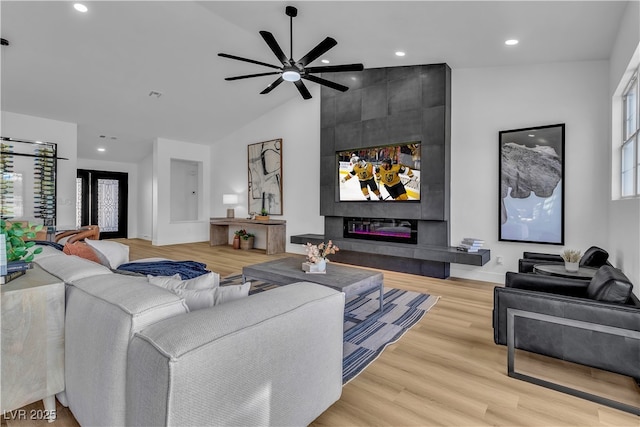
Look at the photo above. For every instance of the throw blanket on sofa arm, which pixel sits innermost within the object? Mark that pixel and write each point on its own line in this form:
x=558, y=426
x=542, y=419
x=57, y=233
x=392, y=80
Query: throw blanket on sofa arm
x=186, y=269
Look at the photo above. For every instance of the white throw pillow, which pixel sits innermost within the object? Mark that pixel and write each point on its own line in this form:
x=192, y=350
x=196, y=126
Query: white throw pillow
x=232, y=292
x=204, y=281
x=197, y=299
x=116, y=253
x=202, y=291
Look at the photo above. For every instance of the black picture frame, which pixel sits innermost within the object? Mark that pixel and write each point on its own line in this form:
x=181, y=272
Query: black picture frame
x=531, y=185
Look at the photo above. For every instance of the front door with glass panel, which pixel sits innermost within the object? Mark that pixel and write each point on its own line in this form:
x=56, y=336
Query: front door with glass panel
x=102, y=200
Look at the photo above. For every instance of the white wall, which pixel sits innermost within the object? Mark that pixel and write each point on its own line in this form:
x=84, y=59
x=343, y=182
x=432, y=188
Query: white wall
x=145, y=198
x=487, y=100
x=165, y=231
x=131, y=169
x=624, y=215
x=64, y=134
x=185, y=190
x=297, y=122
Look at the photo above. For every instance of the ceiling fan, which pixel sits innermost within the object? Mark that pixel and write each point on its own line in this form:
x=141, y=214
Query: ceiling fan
x=294, y=71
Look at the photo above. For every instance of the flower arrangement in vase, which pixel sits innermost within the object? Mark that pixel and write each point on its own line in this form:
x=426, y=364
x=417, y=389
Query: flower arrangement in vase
x=317, y=256
x=571, y=259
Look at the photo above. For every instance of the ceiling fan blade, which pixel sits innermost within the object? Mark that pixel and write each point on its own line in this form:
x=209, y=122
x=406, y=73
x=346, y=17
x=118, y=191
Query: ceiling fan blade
x=320, y=49
x=274, y=46
x=335, y=68
x=248, y=76
x=272, y=86
x=226, y=55
x=302, y=89
x=325, y=82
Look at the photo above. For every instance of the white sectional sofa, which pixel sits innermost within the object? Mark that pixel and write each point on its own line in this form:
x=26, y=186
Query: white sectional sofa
x=134, y=355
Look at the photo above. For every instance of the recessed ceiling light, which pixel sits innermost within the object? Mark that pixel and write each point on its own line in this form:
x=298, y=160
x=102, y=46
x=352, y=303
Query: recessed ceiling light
x=531, y=135
x=80, y=7
x=101, y=149
x=511, y=42
x=325, y=61
x=400, y=53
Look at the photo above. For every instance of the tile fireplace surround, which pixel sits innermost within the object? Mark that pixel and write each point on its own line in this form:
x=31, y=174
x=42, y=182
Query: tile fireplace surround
x=386, y=106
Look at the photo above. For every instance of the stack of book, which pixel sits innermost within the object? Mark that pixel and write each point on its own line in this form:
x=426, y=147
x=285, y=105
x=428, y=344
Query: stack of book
x=470, y=244
x=14, y=269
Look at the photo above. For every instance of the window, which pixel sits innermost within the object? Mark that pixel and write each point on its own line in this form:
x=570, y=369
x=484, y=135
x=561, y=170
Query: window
x=630, y=179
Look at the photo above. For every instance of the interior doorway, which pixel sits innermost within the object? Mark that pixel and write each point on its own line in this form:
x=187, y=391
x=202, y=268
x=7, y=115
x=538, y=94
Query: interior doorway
x=102, y=199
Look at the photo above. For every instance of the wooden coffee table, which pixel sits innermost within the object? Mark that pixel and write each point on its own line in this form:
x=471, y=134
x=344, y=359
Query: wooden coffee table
x=352, y=281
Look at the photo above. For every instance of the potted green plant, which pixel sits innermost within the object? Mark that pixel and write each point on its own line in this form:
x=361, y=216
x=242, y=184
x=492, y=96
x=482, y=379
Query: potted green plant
x=246, y=239
x=264, y=215
x=19, y=249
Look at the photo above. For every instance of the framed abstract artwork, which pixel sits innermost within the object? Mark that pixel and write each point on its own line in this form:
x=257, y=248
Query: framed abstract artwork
x=265, y=177
x=531, y=201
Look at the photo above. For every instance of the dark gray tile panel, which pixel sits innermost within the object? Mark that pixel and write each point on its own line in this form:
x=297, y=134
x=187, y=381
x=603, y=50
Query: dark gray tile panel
x=349, y=107
x=374, y=77
x=404, y=95
x=433, y=81
x=405, y=126
x=374, y=101
x=348, y=136
x=375, y=132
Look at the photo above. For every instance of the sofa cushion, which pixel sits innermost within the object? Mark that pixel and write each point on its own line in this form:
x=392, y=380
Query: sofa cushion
x=609, y=284
x=116, y=253
x=71, y=267
x=48, y=251
x=594, y=257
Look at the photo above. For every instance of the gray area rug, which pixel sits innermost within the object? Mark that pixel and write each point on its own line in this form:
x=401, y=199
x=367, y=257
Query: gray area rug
x=367, y=332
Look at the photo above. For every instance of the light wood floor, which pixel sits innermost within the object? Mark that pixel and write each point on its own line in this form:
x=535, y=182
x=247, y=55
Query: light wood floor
x=446, y=371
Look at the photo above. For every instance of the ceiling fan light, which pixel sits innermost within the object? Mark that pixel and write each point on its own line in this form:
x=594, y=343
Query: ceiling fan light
x=291, y=76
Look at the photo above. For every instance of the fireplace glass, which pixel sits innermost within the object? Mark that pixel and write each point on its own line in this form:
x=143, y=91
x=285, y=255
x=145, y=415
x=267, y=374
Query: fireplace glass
x=382, y=229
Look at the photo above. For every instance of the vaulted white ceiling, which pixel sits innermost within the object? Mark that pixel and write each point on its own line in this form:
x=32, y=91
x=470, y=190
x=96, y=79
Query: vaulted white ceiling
x=97, y=69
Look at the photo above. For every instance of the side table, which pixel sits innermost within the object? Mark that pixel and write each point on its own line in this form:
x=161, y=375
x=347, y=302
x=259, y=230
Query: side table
x=583, y=273
x=32, y=314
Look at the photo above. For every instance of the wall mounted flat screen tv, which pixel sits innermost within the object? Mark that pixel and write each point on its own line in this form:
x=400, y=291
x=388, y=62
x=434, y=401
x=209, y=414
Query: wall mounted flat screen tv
x=385, y=172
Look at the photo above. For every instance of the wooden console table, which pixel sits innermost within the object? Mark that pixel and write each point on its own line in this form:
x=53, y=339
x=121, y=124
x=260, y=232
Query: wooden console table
x=276, y=232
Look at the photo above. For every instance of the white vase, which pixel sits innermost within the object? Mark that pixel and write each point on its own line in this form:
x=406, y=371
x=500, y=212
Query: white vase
x=322, y=264
x=571, y=267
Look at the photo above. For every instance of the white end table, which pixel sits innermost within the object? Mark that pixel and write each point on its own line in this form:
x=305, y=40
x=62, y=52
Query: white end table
x=32, y=314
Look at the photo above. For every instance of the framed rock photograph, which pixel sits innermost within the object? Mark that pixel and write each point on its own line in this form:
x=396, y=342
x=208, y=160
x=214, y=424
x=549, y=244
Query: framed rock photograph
x=265, y=177
x=531, y=175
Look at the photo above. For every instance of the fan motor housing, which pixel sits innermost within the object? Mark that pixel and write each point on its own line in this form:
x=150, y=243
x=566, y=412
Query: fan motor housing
x=291, y=11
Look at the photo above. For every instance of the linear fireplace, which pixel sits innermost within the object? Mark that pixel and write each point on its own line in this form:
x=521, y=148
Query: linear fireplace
x=382, y=229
